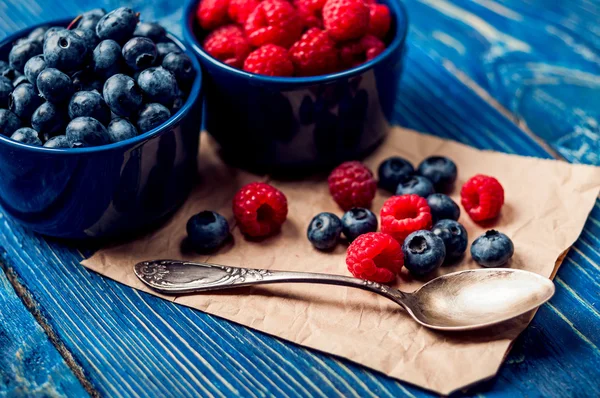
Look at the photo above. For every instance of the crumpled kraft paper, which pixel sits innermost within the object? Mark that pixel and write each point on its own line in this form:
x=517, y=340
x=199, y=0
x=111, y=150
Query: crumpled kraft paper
x=547, y=203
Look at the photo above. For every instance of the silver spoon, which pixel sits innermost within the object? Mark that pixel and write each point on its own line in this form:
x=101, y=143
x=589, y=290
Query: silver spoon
x=463, y=300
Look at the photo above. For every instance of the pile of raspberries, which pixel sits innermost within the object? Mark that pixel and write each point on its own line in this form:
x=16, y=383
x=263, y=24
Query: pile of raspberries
x=296, y=37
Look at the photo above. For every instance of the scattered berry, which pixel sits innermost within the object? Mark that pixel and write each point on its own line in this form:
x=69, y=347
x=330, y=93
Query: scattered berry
x=273, y=22
x=454, y=235
x=492, y=249
x=54, y=86
x=392, y=171
x=58, y=142
x=228, y=44
x=440, y=170
x=212, y=13
x=23, y=101
x=139, y=53
x=86, y=130
x=259, y=209
x=379, y=20
x=416, y=185
x=352, y=185
x=122, y=95
x=207, y=231
x=375, y=256
x=358, y=221
x=357, y=52
x=9, y=122
x=314, y=54
x=346, y=19
x=27, y=135
x=117, y=25
x=401, y=215
x=151, y=116
x=151, y=30
x=239, y=10
x=442, y=207
x=158, y=85
x=423, y=252
x=107, y=59
x=270, y=60
x=120, y=129
x=324, y=231
x=482, y=197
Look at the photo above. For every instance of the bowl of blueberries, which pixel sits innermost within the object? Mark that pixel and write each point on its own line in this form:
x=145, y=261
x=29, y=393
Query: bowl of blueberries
x=99, y=124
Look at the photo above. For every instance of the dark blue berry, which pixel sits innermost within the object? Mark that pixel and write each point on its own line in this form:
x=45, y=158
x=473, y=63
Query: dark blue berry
x=20, y=54
x=23, y=101
x=120, y=129
x=139, y=53
x=27, y=135
x=48, y=120
x=9, y=122
x=440, y=170
x=454, y=236
x=158, y=85
x=34, y=67
x=207, y=231
x=89, y=37
x=52, y=31
x=88, y=131
x=392, y=171
x=58, y=142
x=65, y=50
x=19, y=80
x=106, y=59
x=180, y=65
x=492, y=249
x=151, y=116
x=423, y=252
x=442, y=207
x=6, y=88
x=417, y=185
x=166, y=48
x=151, y=30
x=358, y=221
x=117, y=25
x=90, y=19
x=89, y=103
x=37, y=34
x=4, y=66
x=324, y=231
x=122, y=95
x=54, y=85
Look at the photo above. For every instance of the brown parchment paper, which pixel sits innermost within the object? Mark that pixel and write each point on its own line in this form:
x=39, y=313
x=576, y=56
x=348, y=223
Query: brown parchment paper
x=547, y=203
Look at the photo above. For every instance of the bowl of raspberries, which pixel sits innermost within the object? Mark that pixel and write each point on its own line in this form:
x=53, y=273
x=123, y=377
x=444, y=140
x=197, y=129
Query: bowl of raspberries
x=99, y=124
x=298, y=84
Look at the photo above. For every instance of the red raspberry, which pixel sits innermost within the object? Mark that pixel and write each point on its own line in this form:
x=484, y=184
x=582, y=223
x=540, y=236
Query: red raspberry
x=259, y=209
x=270, y=60
x=239, y=10
x=346, y=19
x=228, y=44
x=275, y=22
x=352, y=185
x=402, y=215
x=311, y=12
x=360, y=51
x=314, y=54
x=212, y=13
x=482, y=197
x=375, y=256
x=379, y=21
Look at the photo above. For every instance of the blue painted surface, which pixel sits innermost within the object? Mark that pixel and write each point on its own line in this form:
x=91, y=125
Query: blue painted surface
x=129, y=343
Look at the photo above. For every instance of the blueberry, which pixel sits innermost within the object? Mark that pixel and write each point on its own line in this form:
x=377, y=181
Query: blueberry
x=33, y=67
x=9, y=122
x=106, y=59
x=166, y=48
x=52, y=31
x=23, y=101
x=89, y=37
x=19, y=80
x=120, y=129
x=65, y=50
x=27, y=135
x=454, y=235
x=6, y=88
x=89, y=103
x=423, y=252
x=392, y=171
x=48, y=119
x=358, y=221
x=442, y=207
x=159, y=85
x=54, y=85
x=58, y=142
x=151, y=116
x=207, y=230
x=440, y=170
x=117, y=25
x=492, y=249
x=20, y=54
x=139, y=53
x=86, y=130
x=122, y=95
x=180, y=65
x=151, y=30
x=417, y=185
x=89, y=19
x=37, y=34
x=324, y=231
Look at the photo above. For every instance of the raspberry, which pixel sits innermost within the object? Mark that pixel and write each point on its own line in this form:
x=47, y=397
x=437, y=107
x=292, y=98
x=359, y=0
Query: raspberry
x=310, y=11
x=275, y=22
x=379, y=20
x=352, y=185
x=403, y=214
x=482, y=197
x=239, y=10
x=212, y=13
x=270, y=60
x=314, y=54
x=375, y=256
x=346, y=19
x=357, y=52
x=228, y=44
x=259, y=209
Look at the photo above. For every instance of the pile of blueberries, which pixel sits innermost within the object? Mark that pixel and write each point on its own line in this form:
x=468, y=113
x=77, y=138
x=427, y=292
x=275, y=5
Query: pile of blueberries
x=103, y=79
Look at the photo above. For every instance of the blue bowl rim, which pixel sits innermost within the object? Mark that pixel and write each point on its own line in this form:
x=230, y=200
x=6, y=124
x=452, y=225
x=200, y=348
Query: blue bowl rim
x=191, y=99
x=396, y=7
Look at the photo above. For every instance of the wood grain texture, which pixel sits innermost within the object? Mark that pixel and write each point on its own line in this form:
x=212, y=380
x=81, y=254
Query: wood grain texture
x=131, y=344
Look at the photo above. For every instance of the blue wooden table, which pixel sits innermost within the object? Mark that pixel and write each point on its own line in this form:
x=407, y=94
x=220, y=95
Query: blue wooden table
x=510, y=75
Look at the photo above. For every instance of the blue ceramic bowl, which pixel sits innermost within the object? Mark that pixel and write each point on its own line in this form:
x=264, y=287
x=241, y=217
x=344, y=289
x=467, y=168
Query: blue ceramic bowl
x=107, y=190
x=275, y=123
